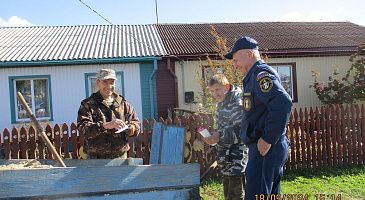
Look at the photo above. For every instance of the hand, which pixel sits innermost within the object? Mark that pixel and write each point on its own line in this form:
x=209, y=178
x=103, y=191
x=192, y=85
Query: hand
x=214, y=138
x=263, y=146
x=115, y=123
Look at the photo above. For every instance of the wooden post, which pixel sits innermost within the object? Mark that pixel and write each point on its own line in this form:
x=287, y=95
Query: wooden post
x=32, y=142
x=23, y=143
x=57, y=138
x=7, y=144
x=313, y=138
x=75, y=145
x=65, y=140
x=318, y=138
x=15, y=143
x=50, y=138
x=292, y=146
x=302, y=139
x=39, y=128
x=308, y=139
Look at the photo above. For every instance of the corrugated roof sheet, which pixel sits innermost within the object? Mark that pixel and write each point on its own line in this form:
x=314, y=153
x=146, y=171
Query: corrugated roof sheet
x=44, y=43
x=188, y=39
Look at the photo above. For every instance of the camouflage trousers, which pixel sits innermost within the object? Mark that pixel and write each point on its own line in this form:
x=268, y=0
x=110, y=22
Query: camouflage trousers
x=233, y=187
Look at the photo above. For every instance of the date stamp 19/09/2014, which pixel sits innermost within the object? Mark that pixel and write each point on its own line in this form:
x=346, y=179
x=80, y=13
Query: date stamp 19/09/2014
x=299, y=196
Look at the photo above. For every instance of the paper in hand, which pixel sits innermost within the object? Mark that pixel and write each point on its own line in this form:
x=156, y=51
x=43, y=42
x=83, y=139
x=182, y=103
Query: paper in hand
x=122, y=129
x=204, y=132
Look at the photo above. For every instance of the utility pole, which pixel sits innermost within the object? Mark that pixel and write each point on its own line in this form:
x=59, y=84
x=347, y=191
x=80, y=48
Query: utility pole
x=156, y=11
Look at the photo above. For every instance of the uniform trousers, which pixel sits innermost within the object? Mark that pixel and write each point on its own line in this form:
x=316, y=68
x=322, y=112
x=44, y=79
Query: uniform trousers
x=264, y=173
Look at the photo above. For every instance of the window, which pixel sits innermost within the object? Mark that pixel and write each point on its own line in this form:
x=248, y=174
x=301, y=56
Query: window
x=91, y=87
x=287, y=73
x=36, y=92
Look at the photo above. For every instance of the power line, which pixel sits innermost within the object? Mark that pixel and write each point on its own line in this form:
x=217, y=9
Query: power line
x=132, y=35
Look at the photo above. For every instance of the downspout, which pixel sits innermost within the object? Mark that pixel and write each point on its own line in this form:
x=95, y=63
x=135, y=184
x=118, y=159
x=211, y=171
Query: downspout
x=183, y=79
x=152, y=94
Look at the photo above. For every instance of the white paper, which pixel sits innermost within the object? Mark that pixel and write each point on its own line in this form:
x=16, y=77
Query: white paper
x=205, y=133
x=122, y=129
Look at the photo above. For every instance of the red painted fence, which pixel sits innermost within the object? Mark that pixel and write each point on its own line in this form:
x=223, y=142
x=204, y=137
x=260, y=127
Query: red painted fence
x=324, y=136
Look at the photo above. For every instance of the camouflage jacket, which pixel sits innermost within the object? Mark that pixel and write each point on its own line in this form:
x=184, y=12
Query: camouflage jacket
x=100, y=142
x=232, y=153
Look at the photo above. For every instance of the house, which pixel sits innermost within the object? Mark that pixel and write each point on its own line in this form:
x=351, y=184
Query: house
x=293, y=48
x=54, y=67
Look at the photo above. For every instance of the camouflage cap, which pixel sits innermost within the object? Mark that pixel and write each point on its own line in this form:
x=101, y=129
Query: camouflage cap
x=105, y=74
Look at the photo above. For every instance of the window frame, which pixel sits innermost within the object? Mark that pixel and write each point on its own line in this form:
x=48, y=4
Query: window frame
x=293, y=77
x=119, y=74
x=13, y=98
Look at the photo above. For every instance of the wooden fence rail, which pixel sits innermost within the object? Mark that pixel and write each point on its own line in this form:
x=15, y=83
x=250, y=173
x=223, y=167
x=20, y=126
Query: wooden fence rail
x=325, y=136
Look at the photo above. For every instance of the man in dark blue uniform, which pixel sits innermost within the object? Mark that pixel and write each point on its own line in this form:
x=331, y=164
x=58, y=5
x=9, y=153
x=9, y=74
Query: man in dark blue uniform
x=267, y=108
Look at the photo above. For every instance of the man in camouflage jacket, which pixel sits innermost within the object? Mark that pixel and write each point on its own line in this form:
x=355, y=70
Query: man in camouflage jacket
x=232, y=153
x=101, y=115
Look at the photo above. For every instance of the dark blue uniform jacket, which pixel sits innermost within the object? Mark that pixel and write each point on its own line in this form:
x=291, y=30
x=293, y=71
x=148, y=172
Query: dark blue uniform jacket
x=266, y=104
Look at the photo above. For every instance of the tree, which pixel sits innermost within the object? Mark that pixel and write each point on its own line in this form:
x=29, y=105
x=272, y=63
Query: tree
x=220, y=65
x=348, y=89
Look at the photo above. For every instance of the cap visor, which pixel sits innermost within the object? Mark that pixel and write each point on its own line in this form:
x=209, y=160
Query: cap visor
x=229, y=55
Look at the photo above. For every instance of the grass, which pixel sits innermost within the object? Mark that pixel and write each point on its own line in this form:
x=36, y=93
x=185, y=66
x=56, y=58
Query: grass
x=347, y=182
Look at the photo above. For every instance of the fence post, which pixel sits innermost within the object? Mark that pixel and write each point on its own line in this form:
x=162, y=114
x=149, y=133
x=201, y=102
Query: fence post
x=292, y=163
x=32, y=142
x=7, y=144
x=65, y=140
x=363, y=132
x=15, y=143
x=334, y=119
x=75, y=150
x=49, y=133
x=309, y=161
x=23, y=143
x=303, y=139
x=57, y=138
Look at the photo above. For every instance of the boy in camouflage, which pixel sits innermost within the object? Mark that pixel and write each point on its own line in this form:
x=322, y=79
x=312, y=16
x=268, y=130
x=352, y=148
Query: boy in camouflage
x=101, y=115
x=232, y=153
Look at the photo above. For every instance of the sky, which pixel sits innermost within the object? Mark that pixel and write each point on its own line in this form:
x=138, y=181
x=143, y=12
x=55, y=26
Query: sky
x=73, y=12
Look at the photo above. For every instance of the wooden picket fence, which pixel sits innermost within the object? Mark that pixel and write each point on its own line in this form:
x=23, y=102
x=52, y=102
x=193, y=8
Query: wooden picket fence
x=319, y=137
x=327, y=136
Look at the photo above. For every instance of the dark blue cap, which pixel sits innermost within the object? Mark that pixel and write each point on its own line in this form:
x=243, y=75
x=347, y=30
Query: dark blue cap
x=244, y=42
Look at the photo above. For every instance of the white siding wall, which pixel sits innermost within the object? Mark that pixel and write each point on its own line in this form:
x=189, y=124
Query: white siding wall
x=68, y=88
x=304, y=66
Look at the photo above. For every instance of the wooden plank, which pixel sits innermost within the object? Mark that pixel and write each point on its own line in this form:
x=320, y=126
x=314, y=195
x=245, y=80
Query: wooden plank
x=32, y=142
x=343, y=136
x=156, y=143
x=292, y=162
x=146, y=139
x=328, y=136
x=7, y=148
x=308, y=139
x=352, y=135
x=167, y=144
x=65, y=141
x=23, y=143
x=302, y=139
x=75, y=144
x=318, y=138
x=313, y=139
x=173, y=145
x=176, y=194
x=57, y=138
x=15, y=143
x=297, y=141
x=65, y=182
x=363, y=133
x=357, y=138
x=334, y=135
x=81, y=163
x=49, y=133
x=323, y=136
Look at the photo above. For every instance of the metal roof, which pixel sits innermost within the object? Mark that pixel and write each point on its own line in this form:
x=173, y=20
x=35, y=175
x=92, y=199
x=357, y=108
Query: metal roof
x=49, y=43
x=280, y=37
